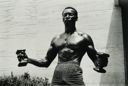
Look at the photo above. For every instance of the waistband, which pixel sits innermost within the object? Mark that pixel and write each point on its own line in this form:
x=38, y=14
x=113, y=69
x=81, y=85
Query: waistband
x=69, y=62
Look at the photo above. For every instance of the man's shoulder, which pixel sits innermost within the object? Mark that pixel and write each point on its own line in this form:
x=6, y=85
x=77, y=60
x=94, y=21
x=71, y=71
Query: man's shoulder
x=85, y=35
x=55, y=38
x=87, y=38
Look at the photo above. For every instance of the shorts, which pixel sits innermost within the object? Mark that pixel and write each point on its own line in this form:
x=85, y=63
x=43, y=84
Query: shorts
x=67, y=74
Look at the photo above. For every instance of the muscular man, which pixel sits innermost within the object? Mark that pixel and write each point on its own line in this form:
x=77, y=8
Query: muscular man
x=70, y=47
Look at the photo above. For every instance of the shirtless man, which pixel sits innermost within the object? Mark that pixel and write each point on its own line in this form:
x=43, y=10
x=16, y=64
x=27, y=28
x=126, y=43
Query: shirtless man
x=70, y=47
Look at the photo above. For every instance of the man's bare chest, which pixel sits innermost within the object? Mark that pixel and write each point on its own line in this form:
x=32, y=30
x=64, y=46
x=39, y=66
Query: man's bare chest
x=73, y=41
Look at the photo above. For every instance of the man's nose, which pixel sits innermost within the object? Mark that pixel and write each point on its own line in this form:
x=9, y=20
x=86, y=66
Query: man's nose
x=67, y=16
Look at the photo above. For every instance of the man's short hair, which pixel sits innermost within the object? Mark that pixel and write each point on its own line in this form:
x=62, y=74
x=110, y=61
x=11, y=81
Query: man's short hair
x=75, y=11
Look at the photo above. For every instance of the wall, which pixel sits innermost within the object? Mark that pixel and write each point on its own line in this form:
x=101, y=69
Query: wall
x=116, y=73
x=124, y=11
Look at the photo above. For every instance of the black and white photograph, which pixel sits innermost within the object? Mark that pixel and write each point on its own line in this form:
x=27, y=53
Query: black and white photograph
x=63, y=42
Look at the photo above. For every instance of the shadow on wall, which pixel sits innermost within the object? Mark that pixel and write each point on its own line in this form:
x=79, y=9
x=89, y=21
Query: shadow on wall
x=115, y=75
x=124, y=11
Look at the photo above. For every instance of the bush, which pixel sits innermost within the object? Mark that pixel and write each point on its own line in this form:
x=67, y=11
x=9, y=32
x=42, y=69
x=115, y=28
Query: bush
x=23, y=80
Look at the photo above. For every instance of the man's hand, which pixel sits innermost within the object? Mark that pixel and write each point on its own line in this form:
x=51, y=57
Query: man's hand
x=22, y=57
x=101, y=61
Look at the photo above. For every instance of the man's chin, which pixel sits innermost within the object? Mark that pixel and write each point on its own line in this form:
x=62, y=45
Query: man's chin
x=68, y=21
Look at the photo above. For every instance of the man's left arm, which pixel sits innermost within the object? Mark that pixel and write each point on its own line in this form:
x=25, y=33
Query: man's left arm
x=99, y=59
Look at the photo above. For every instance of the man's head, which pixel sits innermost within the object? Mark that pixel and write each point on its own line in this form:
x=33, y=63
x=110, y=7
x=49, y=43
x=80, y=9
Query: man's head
x=69, y=14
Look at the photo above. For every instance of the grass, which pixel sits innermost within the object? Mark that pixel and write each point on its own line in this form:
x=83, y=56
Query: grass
x=23, y=80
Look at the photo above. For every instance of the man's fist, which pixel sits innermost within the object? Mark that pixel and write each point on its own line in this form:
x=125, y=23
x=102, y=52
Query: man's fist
x=22, y=57
x=101, y=61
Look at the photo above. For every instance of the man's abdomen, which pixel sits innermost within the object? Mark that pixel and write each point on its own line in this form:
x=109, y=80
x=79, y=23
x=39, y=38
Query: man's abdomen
x=67, y=54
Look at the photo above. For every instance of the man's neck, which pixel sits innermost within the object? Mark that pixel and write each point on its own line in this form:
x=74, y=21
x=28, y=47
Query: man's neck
x=70, y=28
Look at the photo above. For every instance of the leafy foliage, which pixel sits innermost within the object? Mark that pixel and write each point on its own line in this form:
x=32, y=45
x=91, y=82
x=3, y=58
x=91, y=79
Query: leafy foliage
x=23, y=80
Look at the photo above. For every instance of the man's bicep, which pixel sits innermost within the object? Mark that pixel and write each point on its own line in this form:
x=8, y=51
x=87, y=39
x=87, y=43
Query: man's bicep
x=88, y=41
x=90, y=47
x=52, y=51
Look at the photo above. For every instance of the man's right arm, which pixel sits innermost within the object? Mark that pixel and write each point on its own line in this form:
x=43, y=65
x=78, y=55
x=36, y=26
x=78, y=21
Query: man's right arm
x=51, y=54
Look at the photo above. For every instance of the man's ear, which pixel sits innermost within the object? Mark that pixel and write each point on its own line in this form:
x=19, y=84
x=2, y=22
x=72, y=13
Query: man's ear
x=76, y=18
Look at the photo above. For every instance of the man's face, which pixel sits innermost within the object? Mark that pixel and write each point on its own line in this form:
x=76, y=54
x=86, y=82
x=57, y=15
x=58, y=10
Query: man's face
x=69, y=16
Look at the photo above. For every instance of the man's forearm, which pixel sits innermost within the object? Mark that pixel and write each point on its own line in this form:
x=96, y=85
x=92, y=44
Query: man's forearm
x=39, y=63
x=92, y=53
